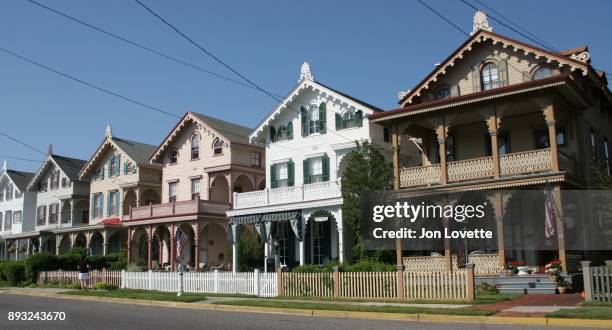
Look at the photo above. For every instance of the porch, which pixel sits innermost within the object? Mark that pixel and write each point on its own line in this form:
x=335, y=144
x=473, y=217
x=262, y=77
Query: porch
x=287, y=195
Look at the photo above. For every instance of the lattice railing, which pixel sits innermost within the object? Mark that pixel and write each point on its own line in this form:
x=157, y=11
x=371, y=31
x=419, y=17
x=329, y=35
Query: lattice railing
x=526, y=162
x=486, y=264
x=470, y=169
x=419, y=176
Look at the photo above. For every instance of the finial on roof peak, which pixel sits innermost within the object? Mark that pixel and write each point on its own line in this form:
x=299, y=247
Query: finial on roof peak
x=481, y=22
x=305, y=72
x=109, y=131
x=4, y=166
x=50, y=150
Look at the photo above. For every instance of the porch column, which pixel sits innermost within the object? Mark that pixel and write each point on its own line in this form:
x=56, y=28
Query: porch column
x=29, y=247
x=441, y=134
x=105, y=243
x=560, y=229
x=493, y=127
x=58, y=241
x=234, y=229
x=138, y=201
x=303, y=244
x=129, y=245
x=448, y=253
x=197, y=246
x=149, y=248
x=17, y=249
x=549, y=115
x=498, y=209
x=172, y=266
x=396, y=183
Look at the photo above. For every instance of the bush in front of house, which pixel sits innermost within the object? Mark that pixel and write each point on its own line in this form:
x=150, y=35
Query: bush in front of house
x=364, y=265
x=105, y=286
x=13, y=272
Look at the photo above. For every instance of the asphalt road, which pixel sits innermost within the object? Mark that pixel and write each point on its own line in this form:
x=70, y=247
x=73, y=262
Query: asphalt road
x=102, y=315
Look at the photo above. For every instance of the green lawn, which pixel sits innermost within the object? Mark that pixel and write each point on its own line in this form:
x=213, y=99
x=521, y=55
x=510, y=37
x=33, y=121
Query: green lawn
x=480, y=299
x=599, y=313
x=596, y=303
x=357, y=308
x=140, y=294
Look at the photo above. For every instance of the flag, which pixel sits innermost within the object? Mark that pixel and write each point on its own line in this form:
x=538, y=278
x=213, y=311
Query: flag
x=181, y=240
x=549, y=225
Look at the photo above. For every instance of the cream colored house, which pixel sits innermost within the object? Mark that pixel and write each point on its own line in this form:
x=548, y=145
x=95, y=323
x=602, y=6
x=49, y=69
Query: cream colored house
x=497, y=114
x=205, y=160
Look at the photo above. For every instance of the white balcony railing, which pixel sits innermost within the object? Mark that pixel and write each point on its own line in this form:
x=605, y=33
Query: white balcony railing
x=286, y=195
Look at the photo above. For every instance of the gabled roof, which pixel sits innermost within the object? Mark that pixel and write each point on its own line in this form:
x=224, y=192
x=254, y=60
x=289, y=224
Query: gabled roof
x=482, y=36
x=20, y=179
x=138, y=152
x=230, y=132
x=69, y=166
x=305, y=83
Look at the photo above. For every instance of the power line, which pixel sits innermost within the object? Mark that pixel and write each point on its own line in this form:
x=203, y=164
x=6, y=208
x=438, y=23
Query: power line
x=143, y=47
x=19, y=158
x=22, y=143
x=507, y=26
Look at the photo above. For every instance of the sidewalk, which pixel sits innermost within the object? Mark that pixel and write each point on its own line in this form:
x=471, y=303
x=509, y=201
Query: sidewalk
x=534, y=305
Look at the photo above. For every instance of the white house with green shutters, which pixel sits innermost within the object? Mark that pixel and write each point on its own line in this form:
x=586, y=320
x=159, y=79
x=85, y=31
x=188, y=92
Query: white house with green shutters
x=298, y=214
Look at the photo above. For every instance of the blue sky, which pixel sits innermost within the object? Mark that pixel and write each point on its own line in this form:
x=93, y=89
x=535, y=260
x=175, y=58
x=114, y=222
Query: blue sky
x=369, y=49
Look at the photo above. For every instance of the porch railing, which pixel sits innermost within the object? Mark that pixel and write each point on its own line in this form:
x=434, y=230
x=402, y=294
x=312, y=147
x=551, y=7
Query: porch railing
x=176, y=209
x=307, y=192
x=484, y=264
x=524, y=162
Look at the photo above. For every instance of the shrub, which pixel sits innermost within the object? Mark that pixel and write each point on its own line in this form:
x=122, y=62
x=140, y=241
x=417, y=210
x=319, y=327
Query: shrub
x=37, y=263
x=486, y=288
x=250, y=250
x=14, y=272
x=134, y=268
x=368, y=265
x=105, y=286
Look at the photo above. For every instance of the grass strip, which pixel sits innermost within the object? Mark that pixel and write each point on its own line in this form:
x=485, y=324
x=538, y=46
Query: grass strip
x=139, y=294
x=596, y=303
x=594, y=313
x=357, y=308
x=481, y=299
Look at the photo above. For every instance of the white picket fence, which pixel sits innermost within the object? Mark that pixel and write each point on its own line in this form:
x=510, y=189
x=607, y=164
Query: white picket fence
x=597, y=281
x=251, y=283
x=66, y=277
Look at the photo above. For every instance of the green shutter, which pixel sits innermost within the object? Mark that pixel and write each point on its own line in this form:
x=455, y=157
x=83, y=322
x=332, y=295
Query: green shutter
x=92, y=207
x=118, y=165
x=359, y=118
x=289, y=131
x=322, y=117
x=304, y=118
x=290, y=173
x=338, y=122
x=117, y=200
x=272, y=134
x=108, y=165
x=325, y=163
x=108, y=197
x=306, y=170
x=273, y=176
x=124, y=168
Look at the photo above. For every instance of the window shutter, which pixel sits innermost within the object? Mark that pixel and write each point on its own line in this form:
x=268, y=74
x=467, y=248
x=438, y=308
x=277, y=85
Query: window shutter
x=92, y=206
x=359, y=118
x=325, y=163
x=290, y=173
x=338, y=122
x=108, y=200
x=272, y=134
x=124, y=168
x=117, y=199
x=306, y=170
x=322, y=117
x=290, y=130
x=118, y=165
x=108, y=165
x=304, y=118
x=273, y=176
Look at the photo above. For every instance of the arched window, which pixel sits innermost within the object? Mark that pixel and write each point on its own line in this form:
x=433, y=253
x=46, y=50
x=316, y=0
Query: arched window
x=542, y=72
x=442, y=93
x=173, y=156
x=195, y=146
x=281, y=133
x=348, y=119
x=489, y=76
x=313, y=119
x=217, y=146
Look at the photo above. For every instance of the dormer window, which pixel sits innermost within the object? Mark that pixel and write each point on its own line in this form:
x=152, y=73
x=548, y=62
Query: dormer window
x=195, y=146
x=9, y=192
x=313, y=119
x=542, y=72
x=489, y=75
x=442, y=93
x=217, y=147
x=173, y=158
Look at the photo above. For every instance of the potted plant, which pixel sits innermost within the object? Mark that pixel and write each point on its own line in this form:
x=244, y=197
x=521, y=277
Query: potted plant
x=553, y=269
x=562, y=286
x=510, y=269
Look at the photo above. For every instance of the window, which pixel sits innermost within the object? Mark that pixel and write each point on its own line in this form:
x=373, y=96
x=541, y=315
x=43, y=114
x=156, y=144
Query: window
x=113, y=203
x=173, y=156
x=53, y=213
x=256, y=159
x=348, y=119
x=593, y=145
x=450, y=148
x=442, y=93
x=543, y=141
x=18, y=194
x=386, y=134
x=489, y=77
x=113, y=166
x=16, y=217
x=172, y=191
x=282, y=175
x=606, y=154
x=313, y=119
x=1, y=221
x=319, y=241
x=9, y=192
x=65, y=183
x=195, y=146
x=97, y=205
x=316, y=170
x=503, y=144
x=217, y=147
x=8, y=220
x=41, y=215
x=281, y=133
x=1, y=195
x=542, y=72
x=195, y=189
x=282, y=239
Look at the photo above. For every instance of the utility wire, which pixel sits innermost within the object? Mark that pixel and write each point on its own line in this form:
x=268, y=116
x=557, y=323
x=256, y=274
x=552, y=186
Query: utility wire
x=141, y=46
x=22, y=143
x=19, y=158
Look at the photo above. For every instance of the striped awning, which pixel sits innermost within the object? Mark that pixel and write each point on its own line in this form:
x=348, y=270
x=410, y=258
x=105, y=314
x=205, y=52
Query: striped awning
x=243, y=219
x=280, y=216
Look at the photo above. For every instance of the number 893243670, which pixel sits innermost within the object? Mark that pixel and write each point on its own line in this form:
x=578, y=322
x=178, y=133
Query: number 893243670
x=36, y=316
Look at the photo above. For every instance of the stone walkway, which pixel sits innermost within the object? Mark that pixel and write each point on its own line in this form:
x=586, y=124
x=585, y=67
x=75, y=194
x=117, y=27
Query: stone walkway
x=533, y=305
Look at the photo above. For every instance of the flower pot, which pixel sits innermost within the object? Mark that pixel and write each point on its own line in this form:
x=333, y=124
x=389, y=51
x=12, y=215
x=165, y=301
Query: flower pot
x=561, y=289
x=509, y=272
x=522, y=270
x=553, y=276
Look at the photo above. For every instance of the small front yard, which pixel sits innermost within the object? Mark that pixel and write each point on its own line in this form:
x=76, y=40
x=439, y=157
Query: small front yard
x=140, y=294
x=489, y=298
x=597, y=313
x=356, y=308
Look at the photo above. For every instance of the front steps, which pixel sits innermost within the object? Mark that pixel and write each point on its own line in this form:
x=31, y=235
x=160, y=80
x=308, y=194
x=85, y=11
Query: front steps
x=523, y=284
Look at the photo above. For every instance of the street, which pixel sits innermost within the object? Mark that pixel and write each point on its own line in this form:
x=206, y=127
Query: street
x=103, y=315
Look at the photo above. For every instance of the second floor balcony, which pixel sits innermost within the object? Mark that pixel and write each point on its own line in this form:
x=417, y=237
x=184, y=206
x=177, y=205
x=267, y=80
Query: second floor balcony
x=287, y=195
x=189, y=208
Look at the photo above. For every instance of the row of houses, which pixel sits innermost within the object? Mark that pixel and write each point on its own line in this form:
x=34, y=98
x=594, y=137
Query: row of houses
x=497, y=113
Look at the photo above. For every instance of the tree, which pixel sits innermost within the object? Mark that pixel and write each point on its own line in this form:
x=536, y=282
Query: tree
x=366, y=171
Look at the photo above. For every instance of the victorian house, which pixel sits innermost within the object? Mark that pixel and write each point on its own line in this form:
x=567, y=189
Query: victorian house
x=17, y=207
x=61, y=200
x=205, y=161
x=121, y=178
x=298, y=215
x=500, y=114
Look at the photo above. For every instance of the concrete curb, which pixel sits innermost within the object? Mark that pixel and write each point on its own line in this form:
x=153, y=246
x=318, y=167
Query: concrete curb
x=541, y=321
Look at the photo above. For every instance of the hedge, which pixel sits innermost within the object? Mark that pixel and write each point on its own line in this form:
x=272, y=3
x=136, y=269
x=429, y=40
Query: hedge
x=365, y=265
